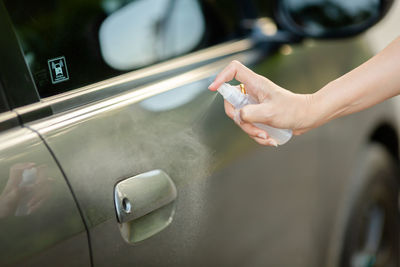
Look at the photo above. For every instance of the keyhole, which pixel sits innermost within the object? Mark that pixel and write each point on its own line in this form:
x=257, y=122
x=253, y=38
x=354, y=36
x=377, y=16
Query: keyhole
x=126, y=205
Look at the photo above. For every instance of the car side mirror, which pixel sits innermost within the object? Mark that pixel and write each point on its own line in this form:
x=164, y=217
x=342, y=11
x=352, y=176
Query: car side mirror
x=329, y=18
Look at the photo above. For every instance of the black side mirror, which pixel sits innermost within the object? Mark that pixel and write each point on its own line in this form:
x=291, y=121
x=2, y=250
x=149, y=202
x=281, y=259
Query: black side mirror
x=329, y=18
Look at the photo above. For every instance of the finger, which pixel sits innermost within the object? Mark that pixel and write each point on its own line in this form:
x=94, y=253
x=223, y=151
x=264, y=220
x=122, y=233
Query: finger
x=229, y=109
x=39, y=193
x=255, y=113
x=265, y=142
x=253, y=131
x=22, y=166
x=34, y=207
x=248, y=128
x=36, y=199
x=235, y=70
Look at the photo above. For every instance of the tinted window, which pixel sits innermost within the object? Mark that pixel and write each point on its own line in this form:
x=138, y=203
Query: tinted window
x=72, y=43
x=3, y=102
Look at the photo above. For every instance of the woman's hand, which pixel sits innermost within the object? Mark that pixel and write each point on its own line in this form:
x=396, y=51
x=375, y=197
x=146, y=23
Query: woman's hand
x=278, y=107
x=369, y=84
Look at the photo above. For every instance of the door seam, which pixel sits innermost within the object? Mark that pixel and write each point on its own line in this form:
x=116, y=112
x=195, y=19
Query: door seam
x=78, y=206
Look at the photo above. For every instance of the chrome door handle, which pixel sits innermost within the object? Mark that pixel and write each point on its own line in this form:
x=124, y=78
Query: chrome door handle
x=143, y=204
x=142, y=194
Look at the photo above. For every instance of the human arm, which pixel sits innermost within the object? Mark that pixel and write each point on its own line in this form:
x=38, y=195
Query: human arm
x=367, y=85
x=372, y=82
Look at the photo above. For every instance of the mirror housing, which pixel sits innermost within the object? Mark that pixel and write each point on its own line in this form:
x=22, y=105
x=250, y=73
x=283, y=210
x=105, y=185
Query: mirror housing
x=324, y=19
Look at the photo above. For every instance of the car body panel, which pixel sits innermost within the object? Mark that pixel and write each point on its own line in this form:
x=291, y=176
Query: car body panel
x=238, y=203
x=39, y=218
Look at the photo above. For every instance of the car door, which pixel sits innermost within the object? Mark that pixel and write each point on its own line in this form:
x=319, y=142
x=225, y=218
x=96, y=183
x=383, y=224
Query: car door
x=161, y=175
x=41, y=225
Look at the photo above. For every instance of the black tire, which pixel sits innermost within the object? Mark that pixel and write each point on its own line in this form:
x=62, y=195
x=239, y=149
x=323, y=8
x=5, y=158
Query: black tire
x=367, y=232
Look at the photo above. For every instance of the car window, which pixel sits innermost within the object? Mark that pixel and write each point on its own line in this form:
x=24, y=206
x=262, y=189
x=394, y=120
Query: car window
x=71, y=43
x=3, y=103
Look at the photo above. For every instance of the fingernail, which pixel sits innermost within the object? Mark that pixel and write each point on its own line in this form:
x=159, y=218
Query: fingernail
x=262, y=135
x=273, y=142
x=211, y=85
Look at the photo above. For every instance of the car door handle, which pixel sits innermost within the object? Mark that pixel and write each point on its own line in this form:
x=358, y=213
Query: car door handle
x=142, y=194
x=143, y=204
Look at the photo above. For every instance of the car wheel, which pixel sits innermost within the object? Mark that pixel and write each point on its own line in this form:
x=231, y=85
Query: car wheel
x=368, y=225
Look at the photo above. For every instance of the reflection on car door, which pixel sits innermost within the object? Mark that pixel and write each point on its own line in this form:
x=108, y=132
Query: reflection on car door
x=39, y=220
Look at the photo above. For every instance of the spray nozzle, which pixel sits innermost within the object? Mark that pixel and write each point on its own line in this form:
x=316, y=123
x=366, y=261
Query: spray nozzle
x=232, y=95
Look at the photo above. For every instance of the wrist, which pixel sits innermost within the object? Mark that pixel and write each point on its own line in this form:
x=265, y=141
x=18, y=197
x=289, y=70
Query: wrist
x=312, y=112
x=322, y=106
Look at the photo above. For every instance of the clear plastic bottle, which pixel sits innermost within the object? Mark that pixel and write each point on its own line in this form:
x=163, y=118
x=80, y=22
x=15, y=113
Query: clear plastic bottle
x=239, y=100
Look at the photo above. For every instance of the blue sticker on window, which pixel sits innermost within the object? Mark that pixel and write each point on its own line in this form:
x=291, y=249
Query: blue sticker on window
x=58, y=70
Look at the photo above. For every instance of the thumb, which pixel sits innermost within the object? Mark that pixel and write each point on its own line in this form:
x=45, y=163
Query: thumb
x=255, y=113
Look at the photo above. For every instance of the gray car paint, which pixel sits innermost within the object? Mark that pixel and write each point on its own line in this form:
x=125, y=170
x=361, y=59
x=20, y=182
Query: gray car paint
x=238, y=203
x=39, y=220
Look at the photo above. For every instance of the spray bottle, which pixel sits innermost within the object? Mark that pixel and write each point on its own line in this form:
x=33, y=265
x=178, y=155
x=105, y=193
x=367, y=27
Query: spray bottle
x=239, y=100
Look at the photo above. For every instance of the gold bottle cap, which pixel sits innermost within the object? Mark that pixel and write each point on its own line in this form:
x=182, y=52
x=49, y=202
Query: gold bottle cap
x=242, y=88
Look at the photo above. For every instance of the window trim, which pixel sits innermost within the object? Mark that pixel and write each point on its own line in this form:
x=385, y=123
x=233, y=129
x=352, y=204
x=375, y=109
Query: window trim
x=132, y=80
x=8, y=120
x=140, y=93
